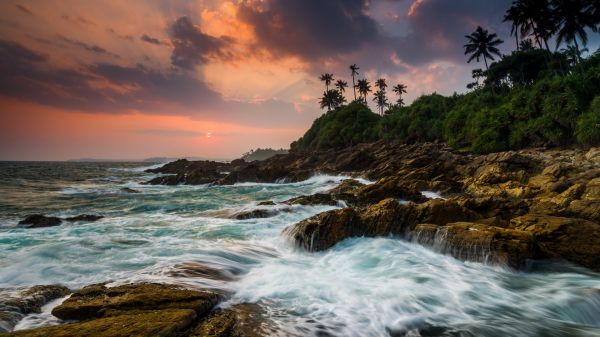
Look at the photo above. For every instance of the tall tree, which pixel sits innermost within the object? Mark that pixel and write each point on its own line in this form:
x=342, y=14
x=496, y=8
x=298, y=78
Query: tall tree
x=327, y=78
x=400, y=89
x=341, y=86
x=381, y=84
x=534, y=17
x=380, y=100
x=331, y=99
x=482, y=44
x=573, y=17
x=594, y=13
x=354, y=71
x=364, y=88
x=515, y=16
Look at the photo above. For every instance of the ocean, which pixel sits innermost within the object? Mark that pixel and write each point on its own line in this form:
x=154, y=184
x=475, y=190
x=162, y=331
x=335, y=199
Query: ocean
x=361, y=287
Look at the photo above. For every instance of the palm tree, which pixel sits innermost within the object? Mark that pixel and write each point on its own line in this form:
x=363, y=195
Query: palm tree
x=573, y=17
x=341, y=86
x=327, y=78
x=400, y=89
x=331, y=99
x=354, y=71
x=535, y=17
x=380, y=100
x=514, y=14
x=381, y=84
x=594, y=13
x=364, y=88
x=482, y=44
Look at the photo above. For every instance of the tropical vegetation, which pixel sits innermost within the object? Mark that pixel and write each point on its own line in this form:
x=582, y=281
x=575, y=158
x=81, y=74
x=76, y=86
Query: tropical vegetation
x=539, y=95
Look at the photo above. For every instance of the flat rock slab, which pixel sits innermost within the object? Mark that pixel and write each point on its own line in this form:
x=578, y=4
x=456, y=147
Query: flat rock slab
x=97, y=300
x=152, y=323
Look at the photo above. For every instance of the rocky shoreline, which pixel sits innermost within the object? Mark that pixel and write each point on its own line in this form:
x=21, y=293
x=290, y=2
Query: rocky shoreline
x=508, y=208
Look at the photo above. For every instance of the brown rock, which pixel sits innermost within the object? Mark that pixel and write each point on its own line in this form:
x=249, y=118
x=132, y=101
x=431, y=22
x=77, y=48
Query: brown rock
x=574, y=240
x=148, y=323
x=98, y=300
x=476, y=242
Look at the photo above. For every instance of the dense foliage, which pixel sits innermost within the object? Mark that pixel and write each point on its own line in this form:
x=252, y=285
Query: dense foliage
x=262, y=154
x=530, y=98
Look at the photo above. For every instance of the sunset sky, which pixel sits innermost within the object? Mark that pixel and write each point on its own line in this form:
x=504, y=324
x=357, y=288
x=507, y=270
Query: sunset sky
x=213, y=79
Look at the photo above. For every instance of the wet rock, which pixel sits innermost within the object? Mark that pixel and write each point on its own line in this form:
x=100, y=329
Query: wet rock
x=387, y=217
x=146, y=323
x=195, y=269
x=314, y=199
x=40, y=220
x=324, y=230
x=98, y=301
x=14, y=305
x=574, y=240
x=240, y=320
x=390, y=187
x=266, y=203
x=255, y=214
x=129, y=190
x=476, y=242
x=85, y=217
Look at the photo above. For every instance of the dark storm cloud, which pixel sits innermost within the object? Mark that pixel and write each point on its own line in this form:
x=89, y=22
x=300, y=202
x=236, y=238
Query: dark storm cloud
x=150, y=39
x=312, y=28
x=337, y=29
x=24, y=9
x=28, y=75
x=192, y=47
x=438, y=27
x=89, y=47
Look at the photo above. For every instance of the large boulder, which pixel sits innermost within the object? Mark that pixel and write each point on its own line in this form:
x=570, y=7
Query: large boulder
x=571, y=239
x=387, y=217
x=324, y=230
x=97, y=300
x=477, y=242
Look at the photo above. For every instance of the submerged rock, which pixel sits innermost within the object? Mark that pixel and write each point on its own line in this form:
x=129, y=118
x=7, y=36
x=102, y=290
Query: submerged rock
x=196, y=269
x=129, y=190
x=85, y=217
x=255, y=213
x=14, y=305
x=40, y=221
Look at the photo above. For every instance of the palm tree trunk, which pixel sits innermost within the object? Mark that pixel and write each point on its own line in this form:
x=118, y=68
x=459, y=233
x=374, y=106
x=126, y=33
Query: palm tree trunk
x=546, y=43
x=353, y=87
x=486, y=64
x=577, y=50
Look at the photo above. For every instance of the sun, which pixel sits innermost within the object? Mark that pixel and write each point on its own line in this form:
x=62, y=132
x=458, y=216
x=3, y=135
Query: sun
x=209, y=134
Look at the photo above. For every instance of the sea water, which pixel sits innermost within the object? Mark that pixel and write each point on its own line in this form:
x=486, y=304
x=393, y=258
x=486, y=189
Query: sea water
x=360, y=287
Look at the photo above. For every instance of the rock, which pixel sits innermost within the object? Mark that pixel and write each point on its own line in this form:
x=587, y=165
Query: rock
x=129, y=190
x=389, y=187
x=255, y=213
x=593, y=155
x=85, y=217
x=98, y=301
x=315, y=199
x=387, y=217
x=574, y=240
x=266, y=203
x=476, y=242
x=15, y=305
x=326, y=229
x=195, y=269
x=146, y=323
x=240, y=320
x=40, y=220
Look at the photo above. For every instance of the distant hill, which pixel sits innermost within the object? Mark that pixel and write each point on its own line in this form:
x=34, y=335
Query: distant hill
x=262, y=154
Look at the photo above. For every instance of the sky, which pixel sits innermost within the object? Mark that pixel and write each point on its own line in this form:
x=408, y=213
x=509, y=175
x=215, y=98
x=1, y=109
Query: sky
x=212, y=79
